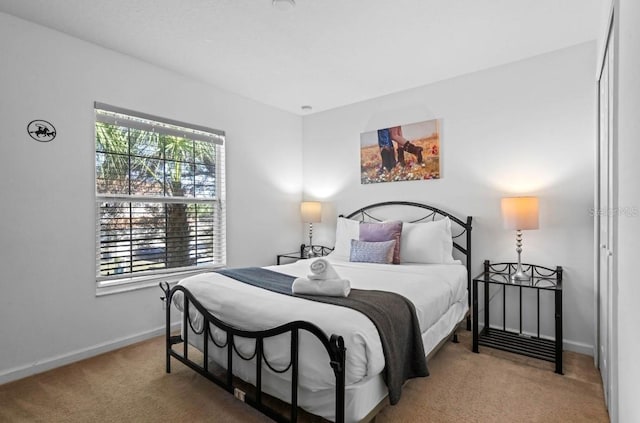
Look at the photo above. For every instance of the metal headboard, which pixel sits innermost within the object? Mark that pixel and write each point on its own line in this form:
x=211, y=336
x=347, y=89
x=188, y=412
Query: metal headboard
x=459, y=227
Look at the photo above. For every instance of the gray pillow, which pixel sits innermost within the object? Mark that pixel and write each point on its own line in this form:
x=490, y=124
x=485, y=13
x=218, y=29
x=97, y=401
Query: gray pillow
x=372, y=252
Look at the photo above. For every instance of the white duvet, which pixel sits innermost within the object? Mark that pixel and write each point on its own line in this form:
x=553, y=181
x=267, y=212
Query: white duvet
x=432, y=289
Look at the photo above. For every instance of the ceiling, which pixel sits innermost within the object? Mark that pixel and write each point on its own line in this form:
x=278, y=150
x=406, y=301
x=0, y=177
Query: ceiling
x=323, y=53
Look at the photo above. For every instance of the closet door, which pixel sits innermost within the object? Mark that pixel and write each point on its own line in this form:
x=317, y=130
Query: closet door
x=605, y=216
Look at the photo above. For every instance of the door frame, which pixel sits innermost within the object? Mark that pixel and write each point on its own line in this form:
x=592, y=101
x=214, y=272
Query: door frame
x=610, y=45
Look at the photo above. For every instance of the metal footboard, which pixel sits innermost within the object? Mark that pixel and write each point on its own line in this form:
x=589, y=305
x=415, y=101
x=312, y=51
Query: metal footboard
x=334, y=346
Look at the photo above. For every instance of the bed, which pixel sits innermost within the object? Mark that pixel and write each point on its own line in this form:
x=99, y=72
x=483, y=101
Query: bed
x=321, y=358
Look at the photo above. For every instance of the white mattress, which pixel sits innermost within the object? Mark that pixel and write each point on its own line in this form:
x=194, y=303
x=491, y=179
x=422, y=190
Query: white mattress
x=437, y=291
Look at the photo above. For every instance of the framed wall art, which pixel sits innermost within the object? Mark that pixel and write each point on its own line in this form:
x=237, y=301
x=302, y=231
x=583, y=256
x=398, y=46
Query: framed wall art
x=401, y=153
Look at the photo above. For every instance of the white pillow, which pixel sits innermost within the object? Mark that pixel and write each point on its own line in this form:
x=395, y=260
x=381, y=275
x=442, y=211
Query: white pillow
x=427, y=242
x=346, y=230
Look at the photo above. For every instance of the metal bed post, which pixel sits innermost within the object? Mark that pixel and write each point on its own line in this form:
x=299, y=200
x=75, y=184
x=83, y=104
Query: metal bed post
x=337, y=346
x=205, y=340
x=186, y=318
x=229, y=362
x=475, y=316
x=294, y=375
x=558, y=321
x=167, y=306
x=468, y=228
x=486, y=299
x=259, y=347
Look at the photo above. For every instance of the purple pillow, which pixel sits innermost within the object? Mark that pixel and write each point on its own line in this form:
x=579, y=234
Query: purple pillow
x=386, y=231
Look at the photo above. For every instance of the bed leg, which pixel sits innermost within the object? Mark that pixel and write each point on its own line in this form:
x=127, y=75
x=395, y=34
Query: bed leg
x=338, y=361
x=455, y=338
x=168, y=343
x=167, y=306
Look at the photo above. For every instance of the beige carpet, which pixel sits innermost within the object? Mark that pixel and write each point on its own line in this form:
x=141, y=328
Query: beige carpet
x=130, y=385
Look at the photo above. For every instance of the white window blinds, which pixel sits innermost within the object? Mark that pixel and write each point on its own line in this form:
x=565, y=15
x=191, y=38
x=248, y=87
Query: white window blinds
x=160, y=196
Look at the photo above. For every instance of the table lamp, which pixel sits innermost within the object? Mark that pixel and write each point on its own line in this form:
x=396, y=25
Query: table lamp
x=311, y=212
x=520, y=213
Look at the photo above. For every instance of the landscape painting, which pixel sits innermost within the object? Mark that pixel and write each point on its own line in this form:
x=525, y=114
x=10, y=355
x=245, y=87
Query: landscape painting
x=401, y=153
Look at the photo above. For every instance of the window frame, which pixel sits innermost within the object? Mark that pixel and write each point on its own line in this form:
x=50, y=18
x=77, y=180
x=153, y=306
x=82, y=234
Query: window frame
x=109, y=284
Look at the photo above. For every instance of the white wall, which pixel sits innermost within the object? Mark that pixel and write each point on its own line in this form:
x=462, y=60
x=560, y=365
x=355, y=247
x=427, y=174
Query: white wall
x=522, y=128
x=49, y=313
x=628, y=224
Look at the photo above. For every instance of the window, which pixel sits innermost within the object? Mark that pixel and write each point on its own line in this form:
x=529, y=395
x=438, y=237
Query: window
x=160, y=197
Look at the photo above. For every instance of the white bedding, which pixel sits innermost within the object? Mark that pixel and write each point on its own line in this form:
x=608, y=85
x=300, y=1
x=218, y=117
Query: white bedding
x=432, y=288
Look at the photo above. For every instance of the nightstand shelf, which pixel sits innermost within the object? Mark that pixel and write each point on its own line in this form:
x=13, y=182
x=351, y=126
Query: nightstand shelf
x=540, y=348
x=541, y=279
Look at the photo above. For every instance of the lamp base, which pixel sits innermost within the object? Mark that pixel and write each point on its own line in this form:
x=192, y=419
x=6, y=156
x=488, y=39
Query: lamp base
x=520, y=277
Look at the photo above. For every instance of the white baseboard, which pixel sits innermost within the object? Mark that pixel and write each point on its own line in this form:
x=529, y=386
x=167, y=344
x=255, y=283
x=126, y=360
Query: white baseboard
x=64, y=359
x=578, y=347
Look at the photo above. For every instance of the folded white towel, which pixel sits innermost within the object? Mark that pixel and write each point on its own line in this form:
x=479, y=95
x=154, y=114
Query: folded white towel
x=321, y=269
x=328, y=287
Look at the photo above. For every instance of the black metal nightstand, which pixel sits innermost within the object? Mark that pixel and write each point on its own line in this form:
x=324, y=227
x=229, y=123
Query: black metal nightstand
x=542, y=278
x=306, y=251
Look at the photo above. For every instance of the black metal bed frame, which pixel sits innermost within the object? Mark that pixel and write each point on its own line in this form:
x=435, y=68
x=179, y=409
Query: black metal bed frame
x=334, y=345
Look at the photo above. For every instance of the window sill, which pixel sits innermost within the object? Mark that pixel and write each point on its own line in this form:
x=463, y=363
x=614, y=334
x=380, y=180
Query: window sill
x=143, y=282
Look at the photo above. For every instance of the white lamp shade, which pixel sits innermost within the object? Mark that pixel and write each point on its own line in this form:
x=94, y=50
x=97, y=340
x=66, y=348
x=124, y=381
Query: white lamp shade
x=311, y=211
x=520, y=213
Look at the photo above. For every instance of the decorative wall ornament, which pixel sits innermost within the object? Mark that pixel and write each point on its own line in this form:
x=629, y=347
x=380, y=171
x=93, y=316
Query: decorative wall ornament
x=41, y=130
x=401, y=153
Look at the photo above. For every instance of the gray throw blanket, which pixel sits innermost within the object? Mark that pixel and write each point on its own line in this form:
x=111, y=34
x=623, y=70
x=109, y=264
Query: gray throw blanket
x=392, y=314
